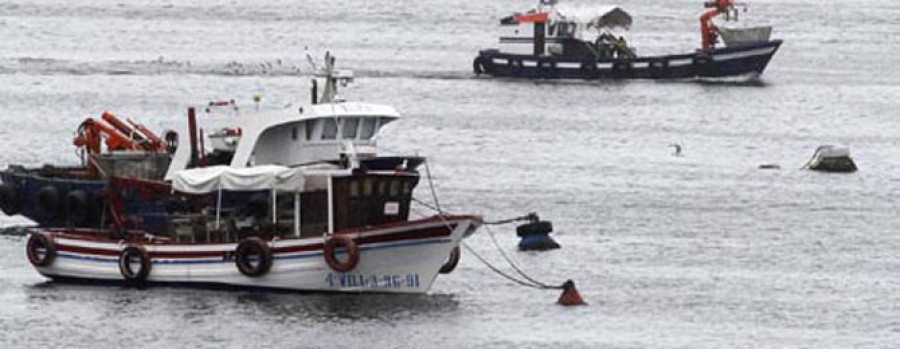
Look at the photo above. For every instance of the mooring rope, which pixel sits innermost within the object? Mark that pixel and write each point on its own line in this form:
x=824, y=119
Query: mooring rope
x=514, y=266
x=433, y=192
x=531, y=282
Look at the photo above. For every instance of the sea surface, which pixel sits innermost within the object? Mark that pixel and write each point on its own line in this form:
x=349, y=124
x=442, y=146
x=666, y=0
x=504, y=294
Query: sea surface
x=703, y=250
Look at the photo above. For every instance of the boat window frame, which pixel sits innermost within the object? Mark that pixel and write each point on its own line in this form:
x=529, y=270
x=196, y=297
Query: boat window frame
x=366, y=121
x=345, y=123
x=327, y=123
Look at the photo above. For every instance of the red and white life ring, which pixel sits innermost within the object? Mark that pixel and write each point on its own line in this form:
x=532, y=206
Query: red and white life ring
x=40, y=250
x=349, y=244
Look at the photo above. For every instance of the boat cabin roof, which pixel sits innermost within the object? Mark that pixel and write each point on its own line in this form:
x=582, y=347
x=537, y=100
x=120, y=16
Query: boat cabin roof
x=324, y=124
x=255, y=127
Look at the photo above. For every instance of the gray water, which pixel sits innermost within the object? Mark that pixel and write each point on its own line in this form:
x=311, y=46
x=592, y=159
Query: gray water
x=699, y=251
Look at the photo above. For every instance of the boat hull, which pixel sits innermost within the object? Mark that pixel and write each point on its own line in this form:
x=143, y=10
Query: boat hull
x=735, y=61
x=50, y=208
x=397, y=258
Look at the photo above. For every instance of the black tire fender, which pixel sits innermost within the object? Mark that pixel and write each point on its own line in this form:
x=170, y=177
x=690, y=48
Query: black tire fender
x=125, y=263
x=702, y=64
x=244, y=253
x=622, y=70
x=331, y=245
x=480, y=65
x=515, y=65
x=77, y=207
x=589, y=69
x=658, y=68
x=10, y=203
x=547, y=68
x=36, y=243
x=452, y=261
x=47, y=202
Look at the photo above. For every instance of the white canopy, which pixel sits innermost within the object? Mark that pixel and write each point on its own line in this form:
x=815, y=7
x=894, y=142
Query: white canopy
x=210, y=179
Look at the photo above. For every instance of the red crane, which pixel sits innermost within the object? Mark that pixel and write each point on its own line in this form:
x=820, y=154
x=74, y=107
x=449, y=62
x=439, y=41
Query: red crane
x=118, y=136
x=708, y=29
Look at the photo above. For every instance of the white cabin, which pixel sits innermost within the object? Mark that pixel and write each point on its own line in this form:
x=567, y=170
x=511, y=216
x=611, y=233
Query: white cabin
x=331, y=130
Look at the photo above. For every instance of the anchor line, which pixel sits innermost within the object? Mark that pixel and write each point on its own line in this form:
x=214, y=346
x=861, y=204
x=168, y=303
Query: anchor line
x=514, y=266
x=431, y=186
x=531, y=282
x=501, y=273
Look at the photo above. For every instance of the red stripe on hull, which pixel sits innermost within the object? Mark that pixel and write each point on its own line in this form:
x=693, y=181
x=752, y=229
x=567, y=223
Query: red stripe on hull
x=424, y=233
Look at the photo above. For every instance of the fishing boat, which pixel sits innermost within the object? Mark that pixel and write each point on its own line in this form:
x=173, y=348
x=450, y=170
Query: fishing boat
x=303, y=204
x=322, y=132
x=550, y=43
x=329, y=228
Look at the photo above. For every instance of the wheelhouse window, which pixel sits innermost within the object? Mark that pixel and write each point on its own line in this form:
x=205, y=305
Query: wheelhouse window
x=350, y=126
x=368, y=128
x=308, y=125
x=329, y=129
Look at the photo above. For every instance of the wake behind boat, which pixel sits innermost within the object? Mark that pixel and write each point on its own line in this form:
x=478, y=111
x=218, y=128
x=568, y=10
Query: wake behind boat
x=546, y=42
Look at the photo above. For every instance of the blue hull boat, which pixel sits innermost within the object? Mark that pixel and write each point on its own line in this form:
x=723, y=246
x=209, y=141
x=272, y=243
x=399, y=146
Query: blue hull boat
x=732, y=61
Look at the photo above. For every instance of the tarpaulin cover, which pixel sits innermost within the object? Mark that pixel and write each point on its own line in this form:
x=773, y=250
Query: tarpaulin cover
x=598, y=16
x=211, y=179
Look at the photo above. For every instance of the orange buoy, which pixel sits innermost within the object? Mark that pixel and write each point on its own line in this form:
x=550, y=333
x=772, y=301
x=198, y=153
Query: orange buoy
x=570, y=295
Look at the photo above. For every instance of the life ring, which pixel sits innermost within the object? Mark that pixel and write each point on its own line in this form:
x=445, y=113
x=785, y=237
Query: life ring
x=658, y=68
x=131, y=254
x=347, y=242
x=40, y=250
x=589, y=70
x=77, y=207
x=702, y=65
x=9, y=200
x=451, y=263
x=621, y=70
x=253, y=257
x=47, y=203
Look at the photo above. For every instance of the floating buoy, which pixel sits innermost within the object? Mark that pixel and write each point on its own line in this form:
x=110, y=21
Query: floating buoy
x=570, y=295
x=676, y=149
x=535, y=236
x=831, y=158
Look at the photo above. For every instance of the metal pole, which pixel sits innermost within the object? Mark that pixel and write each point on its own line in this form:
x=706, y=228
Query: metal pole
x=330, y=206
x=218, y=207
x=297, y=214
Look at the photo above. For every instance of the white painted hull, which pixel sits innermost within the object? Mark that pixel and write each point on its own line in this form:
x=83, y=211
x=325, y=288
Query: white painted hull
x=404, y=258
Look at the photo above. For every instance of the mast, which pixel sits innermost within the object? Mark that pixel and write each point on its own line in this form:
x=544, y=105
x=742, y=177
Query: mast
x=333, y=77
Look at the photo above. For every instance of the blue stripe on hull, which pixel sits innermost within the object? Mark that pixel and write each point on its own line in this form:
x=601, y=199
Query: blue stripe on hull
x=291, y=256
